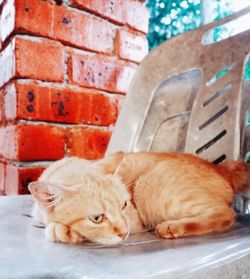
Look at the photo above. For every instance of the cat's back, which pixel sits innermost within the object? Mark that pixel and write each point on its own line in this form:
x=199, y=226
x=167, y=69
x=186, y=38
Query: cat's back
x=184, y=172
x=178, y=183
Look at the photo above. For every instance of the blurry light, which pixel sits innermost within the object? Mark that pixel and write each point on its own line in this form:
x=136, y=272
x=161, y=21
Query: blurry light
x=186, y=19
x=162, y=5
x=179, y=25
x=166, y=20
x=173, y=13
x=157, y=28
x=184, y=4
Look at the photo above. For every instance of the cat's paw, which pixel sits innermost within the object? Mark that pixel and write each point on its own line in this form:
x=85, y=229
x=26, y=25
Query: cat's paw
x=60, y=233
x=170, y=229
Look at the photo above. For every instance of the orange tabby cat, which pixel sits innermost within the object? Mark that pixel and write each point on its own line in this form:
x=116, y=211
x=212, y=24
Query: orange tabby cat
x=103, y=201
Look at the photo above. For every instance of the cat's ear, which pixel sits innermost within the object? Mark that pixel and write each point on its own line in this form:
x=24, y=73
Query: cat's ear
x=47, y=195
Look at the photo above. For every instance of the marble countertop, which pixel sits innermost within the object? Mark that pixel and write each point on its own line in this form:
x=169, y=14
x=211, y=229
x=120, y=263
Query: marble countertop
x=26, y=254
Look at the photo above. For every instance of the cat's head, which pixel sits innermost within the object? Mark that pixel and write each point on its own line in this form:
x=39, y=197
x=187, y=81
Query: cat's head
x=94, y=205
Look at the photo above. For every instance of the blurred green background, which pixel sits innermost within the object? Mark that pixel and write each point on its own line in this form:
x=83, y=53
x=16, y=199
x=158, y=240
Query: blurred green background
x=169, y=18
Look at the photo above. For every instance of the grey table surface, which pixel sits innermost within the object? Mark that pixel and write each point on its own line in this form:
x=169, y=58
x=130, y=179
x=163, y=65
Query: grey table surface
x=26, y=254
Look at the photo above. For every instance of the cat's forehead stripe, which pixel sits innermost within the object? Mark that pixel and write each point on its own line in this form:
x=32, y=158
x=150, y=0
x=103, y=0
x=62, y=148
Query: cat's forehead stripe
x=115, y=198
x=107, y=203
x=102, y=205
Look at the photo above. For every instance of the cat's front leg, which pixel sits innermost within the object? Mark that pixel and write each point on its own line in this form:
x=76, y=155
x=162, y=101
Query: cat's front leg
x=172, y=229
x=60, y=233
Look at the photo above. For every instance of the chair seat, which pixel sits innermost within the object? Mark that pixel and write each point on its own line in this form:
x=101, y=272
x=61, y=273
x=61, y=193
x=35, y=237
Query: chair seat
x=26, y=254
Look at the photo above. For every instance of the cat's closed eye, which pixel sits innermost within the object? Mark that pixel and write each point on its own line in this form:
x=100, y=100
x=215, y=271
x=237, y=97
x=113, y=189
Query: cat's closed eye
x=97, y=218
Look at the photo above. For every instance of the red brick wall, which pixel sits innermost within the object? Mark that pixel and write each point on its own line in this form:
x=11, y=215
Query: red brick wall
x=65, y=67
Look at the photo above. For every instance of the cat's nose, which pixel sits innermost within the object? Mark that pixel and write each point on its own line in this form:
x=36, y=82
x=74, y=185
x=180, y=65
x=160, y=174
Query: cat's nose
x=121, y=233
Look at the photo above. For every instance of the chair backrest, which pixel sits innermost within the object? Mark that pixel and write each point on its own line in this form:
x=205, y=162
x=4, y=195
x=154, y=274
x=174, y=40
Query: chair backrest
x=188, y=95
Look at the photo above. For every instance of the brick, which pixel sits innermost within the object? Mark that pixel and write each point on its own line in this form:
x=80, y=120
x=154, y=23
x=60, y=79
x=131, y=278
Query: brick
x=2, y=178
x=30, y=142
x=18, y=179
x=83, y=31
x=99, y=72
x=34, y=17
x=110, y=9
x=7, y=63
x=10, y=102
x=131, y=46
x=104, y=110
x=8, y=142
x=33, y=101
x=65, y=24
x=42, y=59
x=7, y=22
x=52, y=104
x=88, y=143
x=40, y=142
x=137, y=15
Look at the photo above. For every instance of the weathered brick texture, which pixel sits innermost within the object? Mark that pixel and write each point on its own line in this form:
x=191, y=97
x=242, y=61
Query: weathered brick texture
x=97, y=71
x=18, y=178
x=65, y=68
x=137, y=15
x=131, y=46
x=88, y=143
x=25, y=57
x=76, y=105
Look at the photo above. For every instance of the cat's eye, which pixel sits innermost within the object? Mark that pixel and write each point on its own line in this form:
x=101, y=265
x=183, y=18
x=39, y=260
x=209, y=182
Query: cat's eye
x=125, y=204
x=96, y=218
